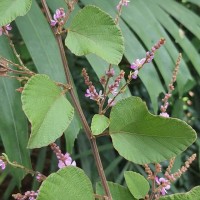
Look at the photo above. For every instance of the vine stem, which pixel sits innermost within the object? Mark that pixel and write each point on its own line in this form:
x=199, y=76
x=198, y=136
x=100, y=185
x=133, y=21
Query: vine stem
x=78, y=108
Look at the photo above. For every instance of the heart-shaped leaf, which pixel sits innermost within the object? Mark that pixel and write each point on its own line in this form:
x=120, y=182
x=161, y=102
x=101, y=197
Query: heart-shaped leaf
x=10, y=9
x=118, y=192
x=47, y=109
x=193, y=194
x=142, y=137
x=69, y=183
x=94, y=31
x=99, y=124
x=137, y=184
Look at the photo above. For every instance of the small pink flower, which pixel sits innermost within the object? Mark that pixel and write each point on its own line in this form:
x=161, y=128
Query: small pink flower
x=137, y=64
x=67, y=162
x=5, y=29
x=122, y=3
x=58, y=16
x=111, y=104
x=110, y=73
x=135, y=74
x=8, y=27
x=161, y=181
x=2, y=164
x=164, y=114
x=53, y=22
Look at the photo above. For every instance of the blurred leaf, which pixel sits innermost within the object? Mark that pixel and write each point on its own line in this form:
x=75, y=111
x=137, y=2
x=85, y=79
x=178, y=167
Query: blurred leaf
x=94, y=31
x=13, y=126
x=10, y=9
x=137, y=184
x=71, y=133
x=118, y=192
x=68, y=183
x=186, y=17
x=193, y=194
x=137, y=128
x=99, y=124
x=47, y=109
x=178, y=34
x=197, y=2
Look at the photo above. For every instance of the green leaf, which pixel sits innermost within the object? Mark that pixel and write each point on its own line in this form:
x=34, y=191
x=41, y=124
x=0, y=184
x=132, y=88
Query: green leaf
x=71, y=133
x=193, y=194
x=142, y=137
x=118, y=192
x=99, y=124
x=35, y=31
x=94, y=31
x=10, y=9
x=13, y=126
x=137, y=184
x=47, y=109
x=69, y=183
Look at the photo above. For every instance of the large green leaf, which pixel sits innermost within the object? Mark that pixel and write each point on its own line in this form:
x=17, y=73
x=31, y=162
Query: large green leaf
x=94, y=31
x=10, y=9
x=69, y=183
x=43, y=48
x=99, y=124
x=13, y=126
x=193, y=194
x=118, y=192
x=142, y=137
x=48, y=110
x=137, y=184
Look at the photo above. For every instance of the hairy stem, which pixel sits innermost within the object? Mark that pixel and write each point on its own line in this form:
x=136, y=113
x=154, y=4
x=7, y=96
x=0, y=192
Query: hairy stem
x=78, y=108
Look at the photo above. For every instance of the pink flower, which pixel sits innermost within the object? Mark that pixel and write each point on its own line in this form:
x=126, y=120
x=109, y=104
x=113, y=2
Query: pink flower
x=8, y=27
x=111, y=104
x=165, y=183
x=164, y=114
x=67, y=162
x=58, y=16
x=122, y=3
x=137, y=64
x=135, y=74
x=5, y=29
x=2, y=164
x=110, y=73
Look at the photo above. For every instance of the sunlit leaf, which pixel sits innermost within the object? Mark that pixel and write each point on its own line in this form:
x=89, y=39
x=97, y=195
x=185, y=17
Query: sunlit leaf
x=94, y=31
x=69, y=183
x=47, y=109
x=142, y=137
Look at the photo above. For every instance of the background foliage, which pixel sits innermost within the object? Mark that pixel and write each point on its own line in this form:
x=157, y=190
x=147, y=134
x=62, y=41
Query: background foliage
x=143, y=23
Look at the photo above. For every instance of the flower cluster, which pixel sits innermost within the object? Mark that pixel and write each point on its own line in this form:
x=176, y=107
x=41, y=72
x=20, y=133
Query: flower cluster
x=5, y=29
x=164, y=183
x=58, y=17
x=29, y=195
x=91, y=91
x=138, y=64
x=163, y=108
x=63, y=159
x=40, y=177
x=2, y=164
x=122, y=3
x=113, y=88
